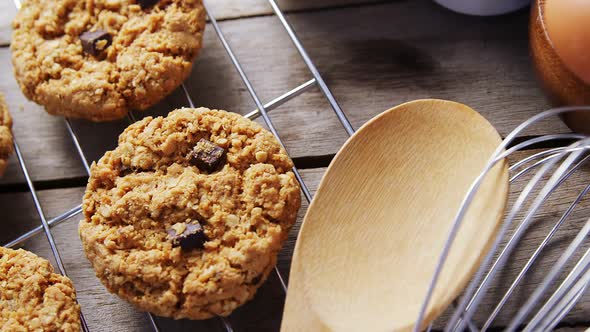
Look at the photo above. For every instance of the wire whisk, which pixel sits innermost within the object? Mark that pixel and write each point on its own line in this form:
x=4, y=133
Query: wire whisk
x=564, y=161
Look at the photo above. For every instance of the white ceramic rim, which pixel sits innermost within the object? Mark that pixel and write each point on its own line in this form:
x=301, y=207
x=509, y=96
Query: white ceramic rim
x=483, y=7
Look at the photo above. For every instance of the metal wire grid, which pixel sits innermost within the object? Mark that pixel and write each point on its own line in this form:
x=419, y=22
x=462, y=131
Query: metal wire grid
x=262, y=110
x=556, y=308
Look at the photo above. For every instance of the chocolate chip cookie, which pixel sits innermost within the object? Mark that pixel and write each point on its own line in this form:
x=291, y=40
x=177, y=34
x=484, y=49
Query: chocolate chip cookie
x=186, y=216
x=99, y=59
x=33, y=297
x=6, y=147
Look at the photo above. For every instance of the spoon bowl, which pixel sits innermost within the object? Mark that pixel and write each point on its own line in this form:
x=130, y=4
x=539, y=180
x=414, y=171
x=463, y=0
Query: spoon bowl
x=372, y=236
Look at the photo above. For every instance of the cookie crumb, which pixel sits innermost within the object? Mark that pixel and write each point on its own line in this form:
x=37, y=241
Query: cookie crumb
x=232, y=220
x=261, y=156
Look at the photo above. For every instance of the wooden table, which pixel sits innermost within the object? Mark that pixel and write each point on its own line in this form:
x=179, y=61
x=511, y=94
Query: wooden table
x=373, y=54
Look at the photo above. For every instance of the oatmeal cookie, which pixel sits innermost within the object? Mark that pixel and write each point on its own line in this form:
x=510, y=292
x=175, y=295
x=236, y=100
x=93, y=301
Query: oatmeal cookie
x=6, y=147
x=186, y=216
x=33, y=297
x=98, y=59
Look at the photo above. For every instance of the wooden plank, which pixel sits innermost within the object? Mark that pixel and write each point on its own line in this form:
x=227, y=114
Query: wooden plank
x=222, y=9
x=229, y=9
x=107, y=313
x=371, y=65
x=380, y=61
x=415, y=49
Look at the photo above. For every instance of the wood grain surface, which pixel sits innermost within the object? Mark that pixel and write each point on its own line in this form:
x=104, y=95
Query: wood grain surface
x=373, y=54
x=371, y=66
x=221, y=9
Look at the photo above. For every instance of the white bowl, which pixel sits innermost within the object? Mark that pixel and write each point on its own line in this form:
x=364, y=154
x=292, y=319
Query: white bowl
x=483, y=7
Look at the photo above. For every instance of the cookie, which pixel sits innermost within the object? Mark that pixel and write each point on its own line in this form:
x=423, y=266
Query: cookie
x=6, y=147
x=33, y=297
x=186, y=216
x=99, y=59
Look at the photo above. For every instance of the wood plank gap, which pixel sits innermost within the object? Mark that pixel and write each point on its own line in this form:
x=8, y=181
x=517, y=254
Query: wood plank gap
x=313, y=161
x=541, y=145
x=45, y=185
x=307, y=162
x=320, y=161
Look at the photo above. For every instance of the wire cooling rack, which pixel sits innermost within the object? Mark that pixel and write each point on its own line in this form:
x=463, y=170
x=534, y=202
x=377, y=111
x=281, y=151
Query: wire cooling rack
x=262, y=110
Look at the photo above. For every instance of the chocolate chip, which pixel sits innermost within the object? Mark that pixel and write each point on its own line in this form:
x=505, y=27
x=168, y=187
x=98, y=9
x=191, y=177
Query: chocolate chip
x=144, y=4
x=125, y=170
x=273, y=220
x=207, y=156
x=95, y=42
x=190, y=236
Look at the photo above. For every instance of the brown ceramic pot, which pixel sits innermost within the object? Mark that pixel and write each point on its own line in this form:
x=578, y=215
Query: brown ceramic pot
x=561, y=85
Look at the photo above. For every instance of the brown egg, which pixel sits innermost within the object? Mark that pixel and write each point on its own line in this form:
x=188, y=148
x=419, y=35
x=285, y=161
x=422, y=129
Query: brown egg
x=568, y=26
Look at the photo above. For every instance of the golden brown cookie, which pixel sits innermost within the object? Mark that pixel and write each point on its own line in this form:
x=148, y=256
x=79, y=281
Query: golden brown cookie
x=32, y=297
x=98, y=59
x=186, y=216
x=6, y=147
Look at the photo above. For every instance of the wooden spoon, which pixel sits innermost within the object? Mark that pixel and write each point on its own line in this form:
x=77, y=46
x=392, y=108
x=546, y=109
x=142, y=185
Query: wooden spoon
x=373, y=234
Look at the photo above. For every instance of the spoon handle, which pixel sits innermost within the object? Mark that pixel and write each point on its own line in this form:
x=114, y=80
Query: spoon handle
x=298, y=316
